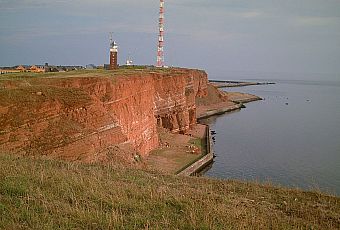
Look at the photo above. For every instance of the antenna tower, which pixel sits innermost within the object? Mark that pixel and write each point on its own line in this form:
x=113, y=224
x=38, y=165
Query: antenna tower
x=160, y=48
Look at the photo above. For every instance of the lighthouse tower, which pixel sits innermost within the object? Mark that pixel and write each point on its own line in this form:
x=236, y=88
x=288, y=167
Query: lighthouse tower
x=113, y=54
x=160, y=48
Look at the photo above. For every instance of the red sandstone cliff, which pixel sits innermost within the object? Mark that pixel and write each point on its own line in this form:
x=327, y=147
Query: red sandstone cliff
x=78, y=117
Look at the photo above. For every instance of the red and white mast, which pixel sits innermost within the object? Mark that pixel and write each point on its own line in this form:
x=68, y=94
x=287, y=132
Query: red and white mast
x=160, y=48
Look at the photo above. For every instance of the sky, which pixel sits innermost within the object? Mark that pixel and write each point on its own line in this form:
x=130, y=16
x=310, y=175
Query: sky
x=227, y=38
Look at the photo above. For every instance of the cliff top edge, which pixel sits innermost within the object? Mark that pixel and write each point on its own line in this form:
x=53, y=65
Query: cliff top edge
x=99, y=73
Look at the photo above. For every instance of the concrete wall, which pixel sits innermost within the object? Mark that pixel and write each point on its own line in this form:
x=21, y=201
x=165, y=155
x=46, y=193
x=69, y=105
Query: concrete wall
x=202, y=162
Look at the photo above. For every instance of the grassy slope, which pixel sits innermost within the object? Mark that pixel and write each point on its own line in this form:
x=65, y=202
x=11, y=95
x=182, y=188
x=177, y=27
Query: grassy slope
x=90, y=73
x=46, y=194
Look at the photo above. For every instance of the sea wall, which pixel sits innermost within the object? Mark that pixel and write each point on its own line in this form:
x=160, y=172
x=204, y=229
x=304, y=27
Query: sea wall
x=200, y=164
x=78, y=117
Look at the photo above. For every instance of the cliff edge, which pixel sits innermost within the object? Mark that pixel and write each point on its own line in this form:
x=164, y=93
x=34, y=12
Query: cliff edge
x=92, y=115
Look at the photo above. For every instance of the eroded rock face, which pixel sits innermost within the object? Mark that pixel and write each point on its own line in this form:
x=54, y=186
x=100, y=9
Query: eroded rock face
x=77, y=117
x=175, y=99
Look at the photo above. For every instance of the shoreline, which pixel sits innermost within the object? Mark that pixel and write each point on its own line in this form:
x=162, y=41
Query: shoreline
x=202, y=162
x=220, y=111
x=235, y=101
x=190, y=153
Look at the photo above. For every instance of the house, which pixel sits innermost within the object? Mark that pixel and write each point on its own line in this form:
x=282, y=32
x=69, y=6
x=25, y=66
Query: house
x=42, y=68
x=37, y=69
x=91, y=66
x=7, y=70
x=21, y=68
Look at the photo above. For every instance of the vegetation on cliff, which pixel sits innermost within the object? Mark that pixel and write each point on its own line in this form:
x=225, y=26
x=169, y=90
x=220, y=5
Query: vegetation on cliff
x=92, y=73
x=79, y=114
x=50, y=194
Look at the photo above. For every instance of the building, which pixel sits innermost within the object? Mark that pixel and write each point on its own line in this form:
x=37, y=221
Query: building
x=113, y=54
x=129, y=62
x=91, y=66
x=8, y=70
x=37, y=69
x=21, y=68
x=107, y=66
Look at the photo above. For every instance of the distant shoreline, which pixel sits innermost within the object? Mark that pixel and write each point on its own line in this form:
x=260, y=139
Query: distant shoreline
x=226, y=84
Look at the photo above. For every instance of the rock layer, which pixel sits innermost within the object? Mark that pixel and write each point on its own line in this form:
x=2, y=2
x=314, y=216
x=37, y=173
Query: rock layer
x=77, y=117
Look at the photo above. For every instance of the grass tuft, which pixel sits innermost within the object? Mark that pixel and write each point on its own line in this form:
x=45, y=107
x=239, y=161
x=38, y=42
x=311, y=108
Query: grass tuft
x=50, y=194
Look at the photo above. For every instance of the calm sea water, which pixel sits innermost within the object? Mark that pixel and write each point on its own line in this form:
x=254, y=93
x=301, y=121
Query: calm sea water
x=291, y=138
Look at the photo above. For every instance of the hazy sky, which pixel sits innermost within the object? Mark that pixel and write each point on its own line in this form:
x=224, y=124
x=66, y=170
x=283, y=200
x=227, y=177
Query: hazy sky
x=220, y=36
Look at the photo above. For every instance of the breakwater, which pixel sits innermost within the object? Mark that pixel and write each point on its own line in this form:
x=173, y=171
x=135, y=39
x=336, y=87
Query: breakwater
x=226, y=83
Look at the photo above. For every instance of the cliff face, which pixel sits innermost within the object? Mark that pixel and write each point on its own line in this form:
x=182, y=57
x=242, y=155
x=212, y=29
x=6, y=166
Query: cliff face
x=175, y=99
x=78, y=117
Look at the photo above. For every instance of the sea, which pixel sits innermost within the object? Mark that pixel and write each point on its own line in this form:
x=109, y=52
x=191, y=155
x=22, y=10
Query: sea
x=291, y=138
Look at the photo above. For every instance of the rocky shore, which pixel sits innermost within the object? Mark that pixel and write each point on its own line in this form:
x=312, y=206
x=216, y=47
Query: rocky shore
x=219, y=102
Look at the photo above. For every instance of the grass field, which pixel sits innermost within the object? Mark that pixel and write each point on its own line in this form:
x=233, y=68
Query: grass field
x=92, y=73
x=49, y=194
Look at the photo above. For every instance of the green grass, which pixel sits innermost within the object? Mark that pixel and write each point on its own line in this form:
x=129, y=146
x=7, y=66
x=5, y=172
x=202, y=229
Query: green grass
x=126, y=70
x=201, y=144
x=12, y=76
x=49, y=194
x=74, y=73
x=197, y=142
x=29, y=96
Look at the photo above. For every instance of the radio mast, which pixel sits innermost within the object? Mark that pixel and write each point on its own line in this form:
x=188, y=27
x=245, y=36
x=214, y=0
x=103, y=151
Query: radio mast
x=160, y=48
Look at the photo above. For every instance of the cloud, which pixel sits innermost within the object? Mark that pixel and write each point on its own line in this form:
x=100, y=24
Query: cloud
x=31, y=33
x=247, y=14
x=39, y=4
x=316, y=21
x=28, y=4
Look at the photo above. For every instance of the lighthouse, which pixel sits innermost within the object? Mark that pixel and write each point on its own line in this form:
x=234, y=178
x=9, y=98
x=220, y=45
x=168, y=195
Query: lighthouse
x=113, y=54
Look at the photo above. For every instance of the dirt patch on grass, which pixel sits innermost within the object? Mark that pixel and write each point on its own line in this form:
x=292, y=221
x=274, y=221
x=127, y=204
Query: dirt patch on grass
x=198, y=131
x=35, y=95
x=175, y=152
